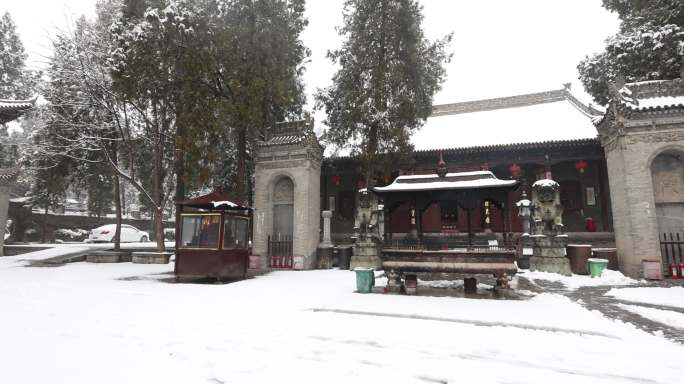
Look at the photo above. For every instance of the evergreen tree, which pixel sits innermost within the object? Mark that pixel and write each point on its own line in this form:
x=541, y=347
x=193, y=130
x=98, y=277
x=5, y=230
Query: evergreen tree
x=649, y=46
x=16, y=82
x=388, y=75
x=257, y=72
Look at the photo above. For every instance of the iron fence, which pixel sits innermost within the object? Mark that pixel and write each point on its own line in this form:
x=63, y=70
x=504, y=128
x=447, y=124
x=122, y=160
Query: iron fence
x=280, y=252
x=672, y=247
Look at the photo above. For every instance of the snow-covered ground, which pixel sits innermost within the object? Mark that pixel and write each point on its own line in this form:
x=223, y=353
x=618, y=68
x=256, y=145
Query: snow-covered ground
x=120, y=323
x=573, y=282
x=663, y=316
x=671, y=297
x=67, y=249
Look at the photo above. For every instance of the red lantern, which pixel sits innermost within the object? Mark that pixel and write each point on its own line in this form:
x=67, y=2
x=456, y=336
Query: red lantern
x=337, y=179
x=515, y=170
x=360, y=184
x=581, y=166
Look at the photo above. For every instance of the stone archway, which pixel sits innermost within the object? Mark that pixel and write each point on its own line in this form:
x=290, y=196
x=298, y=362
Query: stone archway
x=667, y=173
x=283, y=209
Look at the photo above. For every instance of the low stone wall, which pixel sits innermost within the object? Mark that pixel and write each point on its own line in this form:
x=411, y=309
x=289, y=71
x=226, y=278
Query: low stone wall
x=24, y=218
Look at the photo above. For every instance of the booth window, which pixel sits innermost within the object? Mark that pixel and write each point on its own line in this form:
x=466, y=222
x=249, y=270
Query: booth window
x=235, y=232
x=200, y=231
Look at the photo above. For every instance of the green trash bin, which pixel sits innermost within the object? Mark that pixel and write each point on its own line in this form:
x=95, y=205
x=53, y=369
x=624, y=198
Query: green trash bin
x=365, y=279
x=596, y=266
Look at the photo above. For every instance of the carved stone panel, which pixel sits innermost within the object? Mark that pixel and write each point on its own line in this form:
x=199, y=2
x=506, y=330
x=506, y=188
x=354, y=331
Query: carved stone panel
x=668, y=179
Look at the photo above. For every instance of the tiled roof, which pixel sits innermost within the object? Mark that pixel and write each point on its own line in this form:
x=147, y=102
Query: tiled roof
x=452, y=181
x=215, y=200
x=11, y=109
x=653, y=95
x=656, y=96
x=8, y=175
x=283, y=140
x=515, y=146
x=531, y=120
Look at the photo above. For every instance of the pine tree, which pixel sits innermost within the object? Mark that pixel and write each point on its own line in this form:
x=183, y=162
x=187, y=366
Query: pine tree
x=649, y=46
x=388, y=75
x=257, y=72
x=16, y=82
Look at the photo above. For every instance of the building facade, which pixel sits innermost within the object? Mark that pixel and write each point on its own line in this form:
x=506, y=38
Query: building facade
x=525, y=137
x=642, y=134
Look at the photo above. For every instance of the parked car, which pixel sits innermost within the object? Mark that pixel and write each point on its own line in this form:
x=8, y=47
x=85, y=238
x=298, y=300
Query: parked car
x=129, y=234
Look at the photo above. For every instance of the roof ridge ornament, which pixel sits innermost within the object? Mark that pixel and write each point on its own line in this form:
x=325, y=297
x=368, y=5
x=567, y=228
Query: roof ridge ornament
x=442, y=169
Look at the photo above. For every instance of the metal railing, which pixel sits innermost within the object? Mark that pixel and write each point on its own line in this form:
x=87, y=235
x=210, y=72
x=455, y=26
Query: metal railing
x=672, y=249
x=445, y=244
x=280, y=252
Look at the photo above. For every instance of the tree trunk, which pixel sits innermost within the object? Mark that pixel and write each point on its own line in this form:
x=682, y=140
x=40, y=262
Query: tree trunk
x=241, y=165
x=44, y=237
x=157, y=180
x=372, y=150
x=117, y=203
x=179, y=165
x=159, y=229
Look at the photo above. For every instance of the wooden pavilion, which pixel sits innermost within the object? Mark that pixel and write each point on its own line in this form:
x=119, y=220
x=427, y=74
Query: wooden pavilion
x=448, y=252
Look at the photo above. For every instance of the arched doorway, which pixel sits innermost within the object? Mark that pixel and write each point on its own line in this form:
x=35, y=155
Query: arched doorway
x=280, y=245
x=283, y=209
x=667, y=172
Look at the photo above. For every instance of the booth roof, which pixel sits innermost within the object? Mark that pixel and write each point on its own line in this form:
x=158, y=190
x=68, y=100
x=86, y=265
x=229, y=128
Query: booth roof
x=214, y=200
x=461, y=180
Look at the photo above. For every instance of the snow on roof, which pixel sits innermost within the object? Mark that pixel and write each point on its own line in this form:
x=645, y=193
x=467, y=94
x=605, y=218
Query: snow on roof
x=459, y=180
x=656, y=103
x=559, y=120
x=226, y=202
x=545, y=183
x=530, y=118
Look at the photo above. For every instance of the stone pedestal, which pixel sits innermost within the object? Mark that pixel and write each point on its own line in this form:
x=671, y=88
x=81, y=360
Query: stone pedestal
x=325, y=249
x=325, y=257
x=548, y=254
x=151, y=257
x=366, y=254
x=108, y=256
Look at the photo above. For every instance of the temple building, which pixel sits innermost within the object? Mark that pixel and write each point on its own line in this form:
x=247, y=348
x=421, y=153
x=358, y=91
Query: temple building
x=526, y=137
x=9, y=111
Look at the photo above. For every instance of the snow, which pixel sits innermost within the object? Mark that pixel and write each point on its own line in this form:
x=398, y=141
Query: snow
x=531, y=124
x=69, y=249
x=523, y=203
x=220, y=203
x=657, y=102
x=671, y=297
x=608, y=277
x=118, y=323
x=451, y=181
x=663, y=316
x=545, y=183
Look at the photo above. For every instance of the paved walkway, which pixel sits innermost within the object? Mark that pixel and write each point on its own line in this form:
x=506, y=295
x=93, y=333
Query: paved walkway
x=593, y=298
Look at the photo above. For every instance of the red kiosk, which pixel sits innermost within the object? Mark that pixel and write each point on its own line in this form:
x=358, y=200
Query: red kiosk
x=213, y=238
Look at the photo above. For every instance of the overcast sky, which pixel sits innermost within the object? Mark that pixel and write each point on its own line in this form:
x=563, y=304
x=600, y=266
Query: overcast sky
x=501, y=47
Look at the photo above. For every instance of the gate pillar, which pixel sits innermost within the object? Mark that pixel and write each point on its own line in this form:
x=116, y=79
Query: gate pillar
x=289, y=151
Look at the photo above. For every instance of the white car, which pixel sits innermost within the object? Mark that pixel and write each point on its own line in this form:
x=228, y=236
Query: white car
x=129, y=234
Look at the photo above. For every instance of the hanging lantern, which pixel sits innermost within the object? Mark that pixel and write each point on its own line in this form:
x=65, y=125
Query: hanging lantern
x=581, y=166
x=337, y=179
x=515, y=170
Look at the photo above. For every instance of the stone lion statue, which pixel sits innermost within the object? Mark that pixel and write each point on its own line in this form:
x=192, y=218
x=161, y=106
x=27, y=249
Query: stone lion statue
x=547, y=211
x=366, y=220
